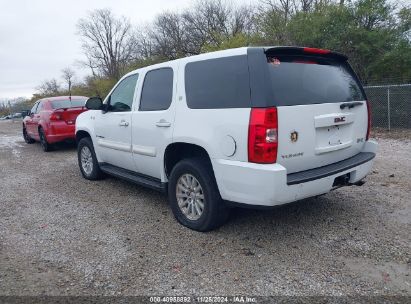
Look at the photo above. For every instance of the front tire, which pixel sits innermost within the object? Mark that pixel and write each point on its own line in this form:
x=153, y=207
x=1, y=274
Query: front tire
x=87, y=160
x=194, y=197
x=26, y=136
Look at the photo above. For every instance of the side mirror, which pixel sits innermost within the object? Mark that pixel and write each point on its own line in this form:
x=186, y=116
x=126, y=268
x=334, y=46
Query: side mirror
x=94, y=103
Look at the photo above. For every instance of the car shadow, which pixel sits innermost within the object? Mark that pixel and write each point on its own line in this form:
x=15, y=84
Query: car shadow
x=304, y=216
x=64, y=146
x=310, y=208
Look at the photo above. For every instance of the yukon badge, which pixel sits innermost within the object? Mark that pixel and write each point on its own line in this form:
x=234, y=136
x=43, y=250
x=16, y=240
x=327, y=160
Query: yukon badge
x=294, y=136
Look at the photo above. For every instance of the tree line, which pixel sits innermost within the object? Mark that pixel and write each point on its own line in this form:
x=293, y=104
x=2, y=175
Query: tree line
x=374, y=34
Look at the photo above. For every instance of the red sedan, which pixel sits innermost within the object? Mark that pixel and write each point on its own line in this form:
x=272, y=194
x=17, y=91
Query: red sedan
x=53, y=120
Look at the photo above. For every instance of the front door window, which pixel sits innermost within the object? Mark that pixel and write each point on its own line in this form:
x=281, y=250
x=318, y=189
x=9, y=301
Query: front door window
x=121, y=99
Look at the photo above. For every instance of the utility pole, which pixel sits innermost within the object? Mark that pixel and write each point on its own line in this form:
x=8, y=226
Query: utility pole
x=68, y=75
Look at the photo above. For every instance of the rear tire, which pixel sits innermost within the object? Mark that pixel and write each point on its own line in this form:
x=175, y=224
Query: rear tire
x=87, y=160
x=200, y=210
x=26, y=137
x=43, y=141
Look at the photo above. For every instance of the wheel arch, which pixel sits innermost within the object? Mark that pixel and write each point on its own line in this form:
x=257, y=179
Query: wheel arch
x=85, y=132
x=80, y=134
x=42, y=125
x=177, y=151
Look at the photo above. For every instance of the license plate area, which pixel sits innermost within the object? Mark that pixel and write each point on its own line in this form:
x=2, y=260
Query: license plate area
x=332, y=138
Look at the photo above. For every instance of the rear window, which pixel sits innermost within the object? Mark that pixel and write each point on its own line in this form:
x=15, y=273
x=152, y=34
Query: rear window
x=218, y=83
x=297, y=80
x=62, y=104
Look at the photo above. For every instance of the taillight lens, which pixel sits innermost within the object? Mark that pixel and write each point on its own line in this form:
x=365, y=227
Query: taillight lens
x=263, y=136
x=316, y=51
x=56, y=116
x=369, y=120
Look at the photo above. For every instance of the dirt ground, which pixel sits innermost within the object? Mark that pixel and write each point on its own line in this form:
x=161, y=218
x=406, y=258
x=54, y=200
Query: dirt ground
x=63, y=235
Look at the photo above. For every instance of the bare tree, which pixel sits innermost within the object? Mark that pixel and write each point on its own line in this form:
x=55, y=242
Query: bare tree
x=242, y=20
x=285, y=7
x=145, y=43
x=168, y=36
x=68, y=75
x=109, y=43
x=306, y=5
x=49, y=88
x=207, y=22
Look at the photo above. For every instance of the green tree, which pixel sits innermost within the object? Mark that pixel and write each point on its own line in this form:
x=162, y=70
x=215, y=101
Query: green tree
x=367, y=31
x=223, y=43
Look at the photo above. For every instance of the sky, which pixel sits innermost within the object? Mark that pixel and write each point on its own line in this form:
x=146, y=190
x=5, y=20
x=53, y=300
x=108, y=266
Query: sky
x=38, y=38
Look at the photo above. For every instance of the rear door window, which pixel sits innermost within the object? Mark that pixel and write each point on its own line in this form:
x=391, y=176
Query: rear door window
x=218, y=83
x=157, y=92
x=297, y=80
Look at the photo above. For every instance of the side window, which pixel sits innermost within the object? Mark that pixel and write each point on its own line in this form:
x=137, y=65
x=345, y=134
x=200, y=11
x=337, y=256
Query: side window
x=39, y=107
x=33, y=109
x=218, y=83
x=121, y=99
x=157, y=92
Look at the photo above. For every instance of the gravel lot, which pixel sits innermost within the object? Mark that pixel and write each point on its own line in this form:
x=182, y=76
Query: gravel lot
x=63, y=235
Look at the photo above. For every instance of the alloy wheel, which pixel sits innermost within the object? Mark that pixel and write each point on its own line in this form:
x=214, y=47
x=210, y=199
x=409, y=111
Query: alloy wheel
x=86, y=160
x=190, y=197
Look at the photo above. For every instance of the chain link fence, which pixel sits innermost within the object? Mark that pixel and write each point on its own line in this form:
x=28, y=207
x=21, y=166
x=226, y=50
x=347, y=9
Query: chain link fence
x=390, y=105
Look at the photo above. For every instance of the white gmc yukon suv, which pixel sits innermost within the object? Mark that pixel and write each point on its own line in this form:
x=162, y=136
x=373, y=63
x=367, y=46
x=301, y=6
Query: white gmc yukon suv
x=249, y=127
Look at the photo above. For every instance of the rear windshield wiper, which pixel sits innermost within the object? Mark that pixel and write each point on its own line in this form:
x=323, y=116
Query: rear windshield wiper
x=350, y=105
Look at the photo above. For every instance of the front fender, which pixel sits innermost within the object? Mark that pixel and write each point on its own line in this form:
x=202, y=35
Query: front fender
x=86, y=124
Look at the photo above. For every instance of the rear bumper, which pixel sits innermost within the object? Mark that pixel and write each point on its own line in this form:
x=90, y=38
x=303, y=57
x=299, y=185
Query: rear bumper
x=269, y=185
x=51, y=139
x=329, y=170
x=60, y=131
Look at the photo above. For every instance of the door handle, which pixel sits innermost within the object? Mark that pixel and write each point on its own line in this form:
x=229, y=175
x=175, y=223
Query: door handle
x=163, y=123
x=123, y=123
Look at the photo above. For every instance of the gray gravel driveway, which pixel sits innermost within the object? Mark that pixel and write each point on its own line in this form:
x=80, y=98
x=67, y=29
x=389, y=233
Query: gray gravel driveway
x=63, y=235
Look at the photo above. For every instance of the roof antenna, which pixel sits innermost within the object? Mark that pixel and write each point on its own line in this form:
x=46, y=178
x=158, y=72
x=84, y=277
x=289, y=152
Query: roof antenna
x=70, y=90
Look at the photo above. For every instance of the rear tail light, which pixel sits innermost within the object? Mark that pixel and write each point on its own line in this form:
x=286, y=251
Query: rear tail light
x=316, y=51
x=263, y=136
x=56, y=116
x=369, y=120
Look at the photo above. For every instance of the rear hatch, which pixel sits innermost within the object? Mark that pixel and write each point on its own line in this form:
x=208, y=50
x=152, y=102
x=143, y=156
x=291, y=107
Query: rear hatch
x=68, y=110
x=322, y=108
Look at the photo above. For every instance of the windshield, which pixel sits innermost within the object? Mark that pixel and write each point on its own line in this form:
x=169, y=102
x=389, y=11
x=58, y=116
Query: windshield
x=300, y=80
x=62, y=104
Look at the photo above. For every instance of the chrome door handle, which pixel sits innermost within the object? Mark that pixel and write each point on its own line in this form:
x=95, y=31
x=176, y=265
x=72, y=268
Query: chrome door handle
x=163, y=124
x=123, y=123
